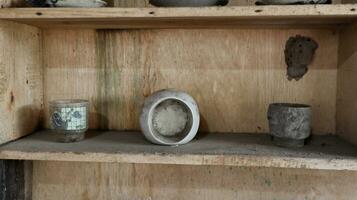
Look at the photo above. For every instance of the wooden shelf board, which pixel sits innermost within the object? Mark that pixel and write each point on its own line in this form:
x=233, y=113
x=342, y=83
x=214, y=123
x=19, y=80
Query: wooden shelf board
x=246, y=150
x=205, y=17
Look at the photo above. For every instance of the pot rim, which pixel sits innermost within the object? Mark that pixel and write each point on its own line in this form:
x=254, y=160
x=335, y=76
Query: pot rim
x=185, y=135
x=69, y=102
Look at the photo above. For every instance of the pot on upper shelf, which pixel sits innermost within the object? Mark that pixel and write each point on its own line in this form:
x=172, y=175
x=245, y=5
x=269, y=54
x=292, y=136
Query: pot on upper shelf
x=188, y=3
x=287, y=2
x=67, y=3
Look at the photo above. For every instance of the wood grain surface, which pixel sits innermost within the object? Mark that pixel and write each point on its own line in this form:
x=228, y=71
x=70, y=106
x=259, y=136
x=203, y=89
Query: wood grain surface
x=310, y=16
x=21, y=90
x=104, y=181
x=233, y=74
x=347, y=85
x=245, y=150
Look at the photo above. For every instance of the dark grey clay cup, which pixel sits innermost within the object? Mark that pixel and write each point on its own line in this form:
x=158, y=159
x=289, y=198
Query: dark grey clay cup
x=290, y=124
x=188, y=3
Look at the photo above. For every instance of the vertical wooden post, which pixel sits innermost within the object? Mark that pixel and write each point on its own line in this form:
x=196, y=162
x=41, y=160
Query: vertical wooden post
x=12, y=180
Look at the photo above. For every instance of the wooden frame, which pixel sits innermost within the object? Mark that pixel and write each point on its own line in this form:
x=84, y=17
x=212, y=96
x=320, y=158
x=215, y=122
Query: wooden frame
x=70, y=53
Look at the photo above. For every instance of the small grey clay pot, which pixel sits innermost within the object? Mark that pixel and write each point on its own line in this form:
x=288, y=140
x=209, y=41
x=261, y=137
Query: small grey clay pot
x=287, y=2
x=290, y=124
x=188, y=3
x=170, y=117
x=69, y=118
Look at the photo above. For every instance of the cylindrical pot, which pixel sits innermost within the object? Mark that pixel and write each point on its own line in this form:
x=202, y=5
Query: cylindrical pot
x=287, y=2
x=69, y=118
x=170, y=117
x=290, y=124
x=188, y=3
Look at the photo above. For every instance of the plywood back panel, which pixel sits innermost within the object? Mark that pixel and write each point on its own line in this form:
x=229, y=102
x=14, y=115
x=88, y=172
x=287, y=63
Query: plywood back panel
x=96, y=181
x=347, y=85
x=21, y=91
x=233, y=74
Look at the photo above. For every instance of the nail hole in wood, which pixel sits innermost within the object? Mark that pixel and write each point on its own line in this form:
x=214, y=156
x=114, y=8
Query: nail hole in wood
x=152, y=12
x=39, y=13
x=353, y=9
x=258, y=11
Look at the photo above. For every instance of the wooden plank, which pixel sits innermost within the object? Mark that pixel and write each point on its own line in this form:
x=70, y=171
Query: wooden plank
x=21, y=80
x=28, y=178
x=233, y=74
x=140, y=3
x=322, y=152
x=347, y=84
x=92, y=181
x=12, y=180
x=182, y=17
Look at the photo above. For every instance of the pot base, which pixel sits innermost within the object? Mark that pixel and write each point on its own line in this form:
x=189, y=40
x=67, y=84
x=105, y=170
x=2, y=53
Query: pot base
x=287, y=142
x=70, y=137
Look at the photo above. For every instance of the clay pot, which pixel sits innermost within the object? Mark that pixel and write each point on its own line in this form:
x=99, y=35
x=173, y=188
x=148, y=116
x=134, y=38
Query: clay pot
x=188, y=3
x=69, y=118
x=290, y=124
x=286, y=2
x=170, y=117
x=67, y=3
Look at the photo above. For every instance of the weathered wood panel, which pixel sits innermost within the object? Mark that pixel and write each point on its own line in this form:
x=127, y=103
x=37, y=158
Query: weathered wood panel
x=233, y=74
x=12, y=180
x=288, y=16
x=141, y=3
x=243, y=150
x=20, y=80
x=347, y=85
x=84, y=181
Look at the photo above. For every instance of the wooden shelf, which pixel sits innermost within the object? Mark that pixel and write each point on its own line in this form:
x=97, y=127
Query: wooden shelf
x=247, y=150
x=206, y=17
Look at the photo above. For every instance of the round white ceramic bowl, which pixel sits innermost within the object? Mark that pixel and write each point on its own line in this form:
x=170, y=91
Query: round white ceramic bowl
x=177, y=105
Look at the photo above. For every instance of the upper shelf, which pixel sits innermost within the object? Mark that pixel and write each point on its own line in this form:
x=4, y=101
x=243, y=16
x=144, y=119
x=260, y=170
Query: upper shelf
x=244, y=150
x=205, y=17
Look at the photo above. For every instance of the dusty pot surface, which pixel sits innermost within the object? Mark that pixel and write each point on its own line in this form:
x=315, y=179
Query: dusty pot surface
x=287, y=2
x=188, y=3
x=290, y=124
x=69, y=118
x=170, y=117
x=67, y=3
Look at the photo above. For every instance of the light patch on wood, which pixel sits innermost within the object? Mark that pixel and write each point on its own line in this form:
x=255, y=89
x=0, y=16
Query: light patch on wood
x=4, y=81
